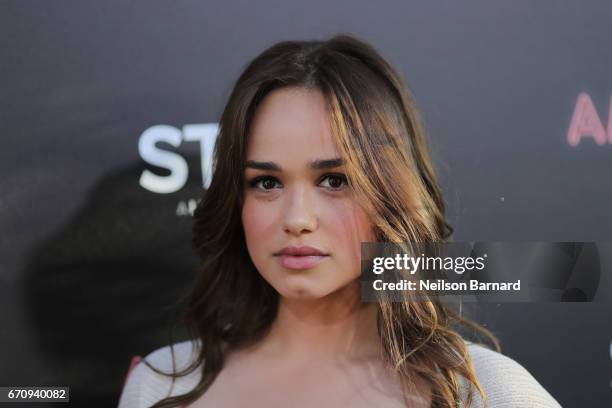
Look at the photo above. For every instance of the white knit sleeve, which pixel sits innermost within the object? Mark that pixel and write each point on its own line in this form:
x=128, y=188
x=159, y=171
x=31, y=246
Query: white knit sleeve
x=134, y=394
x=506, y=383
x=144, y=387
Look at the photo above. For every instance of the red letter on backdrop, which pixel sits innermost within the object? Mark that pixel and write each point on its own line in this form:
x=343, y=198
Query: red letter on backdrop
x=585, y=122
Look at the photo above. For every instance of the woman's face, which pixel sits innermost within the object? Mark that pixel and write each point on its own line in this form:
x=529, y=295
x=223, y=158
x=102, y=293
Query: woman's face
x=302, y=224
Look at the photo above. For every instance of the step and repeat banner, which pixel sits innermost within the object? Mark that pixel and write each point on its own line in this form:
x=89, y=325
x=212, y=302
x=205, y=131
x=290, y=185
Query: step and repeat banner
x=108, y=117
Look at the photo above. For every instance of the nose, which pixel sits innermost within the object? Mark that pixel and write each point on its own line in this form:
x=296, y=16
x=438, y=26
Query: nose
x=300, y=213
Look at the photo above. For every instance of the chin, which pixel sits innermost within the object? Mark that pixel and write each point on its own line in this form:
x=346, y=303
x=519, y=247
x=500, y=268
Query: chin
x=302, y=290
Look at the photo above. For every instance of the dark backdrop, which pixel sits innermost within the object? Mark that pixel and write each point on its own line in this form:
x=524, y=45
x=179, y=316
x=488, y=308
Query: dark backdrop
x=92, y=262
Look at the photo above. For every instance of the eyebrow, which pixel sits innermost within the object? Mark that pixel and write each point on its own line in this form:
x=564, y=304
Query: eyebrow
x=314, y=165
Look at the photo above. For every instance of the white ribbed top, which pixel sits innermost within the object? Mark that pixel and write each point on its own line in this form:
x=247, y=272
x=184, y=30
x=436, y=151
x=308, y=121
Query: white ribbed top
x=506, y=383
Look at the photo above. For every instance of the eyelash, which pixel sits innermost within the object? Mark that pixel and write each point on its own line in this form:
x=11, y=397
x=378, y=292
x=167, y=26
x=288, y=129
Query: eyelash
x=253, y=183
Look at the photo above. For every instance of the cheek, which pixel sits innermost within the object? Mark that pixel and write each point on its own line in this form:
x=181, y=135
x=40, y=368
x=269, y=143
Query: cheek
x=350, y=226
x=256, y=223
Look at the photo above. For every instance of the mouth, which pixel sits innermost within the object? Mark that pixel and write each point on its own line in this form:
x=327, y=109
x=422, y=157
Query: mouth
x=300, y=258
x=300, y=262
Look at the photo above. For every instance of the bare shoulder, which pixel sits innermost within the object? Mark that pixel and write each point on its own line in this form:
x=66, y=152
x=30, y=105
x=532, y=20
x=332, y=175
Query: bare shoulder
x=146, y=385
x=506, y=383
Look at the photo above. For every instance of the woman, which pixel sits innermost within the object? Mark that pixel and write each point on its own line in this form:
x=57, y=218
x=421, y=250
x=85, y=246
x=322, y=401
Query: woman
x=320, y=148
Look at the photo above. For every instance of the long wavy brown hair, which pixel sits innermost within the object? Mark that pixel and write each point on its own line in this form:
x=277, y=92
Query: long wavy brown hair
x=379, y=134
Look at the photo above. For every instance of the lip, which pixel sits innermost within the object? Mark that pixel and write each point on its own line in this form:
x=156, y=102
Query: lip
x=300, y=251
x=303, y=257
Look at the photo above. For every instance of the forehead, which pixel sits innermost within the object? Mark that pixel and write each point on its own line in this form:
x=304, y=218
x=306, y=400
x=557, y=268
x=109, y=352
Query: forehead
x=291, y=125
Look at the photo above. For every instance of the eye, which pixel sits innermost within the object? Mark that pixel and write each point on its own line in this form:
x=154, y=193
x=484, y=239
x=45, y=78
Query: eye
x=263, y=183
x=334, y=181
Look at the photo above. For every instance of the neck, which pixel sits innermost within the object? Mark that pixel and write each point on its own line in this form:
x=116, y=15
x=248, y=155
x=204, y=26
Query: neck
x=337, y=325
